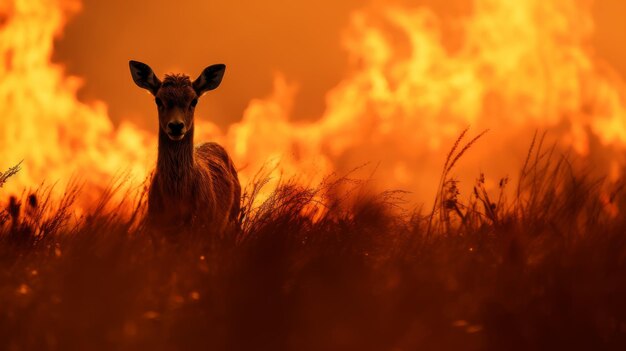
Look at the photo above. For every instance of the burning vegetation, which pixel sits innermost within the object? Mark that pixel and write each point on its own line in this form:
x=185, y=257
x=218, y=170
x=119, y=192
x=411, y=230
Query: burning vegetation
x=327, y=256
x=316, y=269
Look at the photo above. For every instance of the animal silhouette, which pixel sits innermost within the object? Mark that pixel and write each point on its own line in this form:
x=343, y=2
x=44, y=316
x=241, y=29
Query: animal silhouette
x=191, y=185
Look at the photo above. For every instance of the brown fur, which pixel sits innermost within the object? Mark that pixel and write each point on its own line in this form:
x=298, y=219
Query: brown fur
x=191, y=185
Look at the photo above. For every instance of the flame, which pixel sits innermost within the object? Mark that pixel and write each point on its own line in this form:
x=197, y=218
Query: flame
x=409, y=95
x=514, y=67
x=57, y=136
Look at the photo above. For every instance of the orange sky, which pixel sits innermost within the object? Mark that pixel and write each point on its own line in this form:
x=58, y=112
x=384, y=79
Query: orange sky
x=255, y=39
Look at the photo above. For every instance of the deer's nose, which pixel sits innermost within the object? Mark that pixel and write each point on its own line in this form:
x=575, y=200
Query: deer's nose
x=176, y=128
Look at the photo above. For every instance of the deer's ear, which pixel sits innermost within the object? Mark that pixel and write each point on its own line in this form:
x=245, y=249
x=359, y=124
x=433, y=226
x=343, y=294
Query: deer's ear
x=209, y=79
x=144, y=77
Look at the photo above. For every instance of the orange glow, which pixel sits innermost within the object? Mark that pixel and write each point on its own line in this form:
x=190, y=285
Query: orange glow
x=515, y=67
x=57, y=136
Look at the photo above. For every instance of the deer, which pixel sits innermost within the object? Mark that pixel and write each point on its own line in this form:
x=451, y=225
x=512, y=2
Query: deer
x=191, y=185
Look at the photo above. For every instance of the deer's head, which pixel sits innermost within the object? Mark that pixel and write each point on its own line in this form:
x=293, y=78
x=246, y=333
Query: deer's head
x=176, y=96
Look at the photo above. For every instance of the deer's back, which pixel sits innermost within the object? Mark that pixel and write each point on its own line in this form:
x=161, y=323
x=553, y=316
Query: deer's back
x=223, y=176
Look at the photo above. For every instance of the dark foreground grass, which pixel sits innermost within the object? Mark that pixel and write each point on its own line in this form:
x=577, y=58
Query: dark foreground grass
x=543, y=270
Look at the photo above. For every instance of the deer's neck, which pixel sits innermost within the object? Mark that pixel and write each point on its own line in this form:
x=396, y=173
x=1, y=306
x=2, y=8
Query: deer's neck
x=175, y=159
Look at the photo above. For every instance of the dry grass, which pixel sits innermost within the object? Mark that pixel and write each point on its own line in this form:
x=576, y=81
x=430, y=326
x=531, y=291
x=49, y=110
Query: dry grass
x=543, y=270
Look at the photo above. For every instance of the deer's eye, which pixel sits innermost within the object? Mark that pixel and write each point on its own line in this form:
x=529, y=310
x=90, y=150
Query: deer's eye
x=159, y=102
x=194, y=102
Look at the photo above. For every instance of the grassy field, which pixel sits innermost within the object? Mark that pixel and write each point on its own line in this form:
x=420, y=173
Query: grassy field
x=538, y=264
